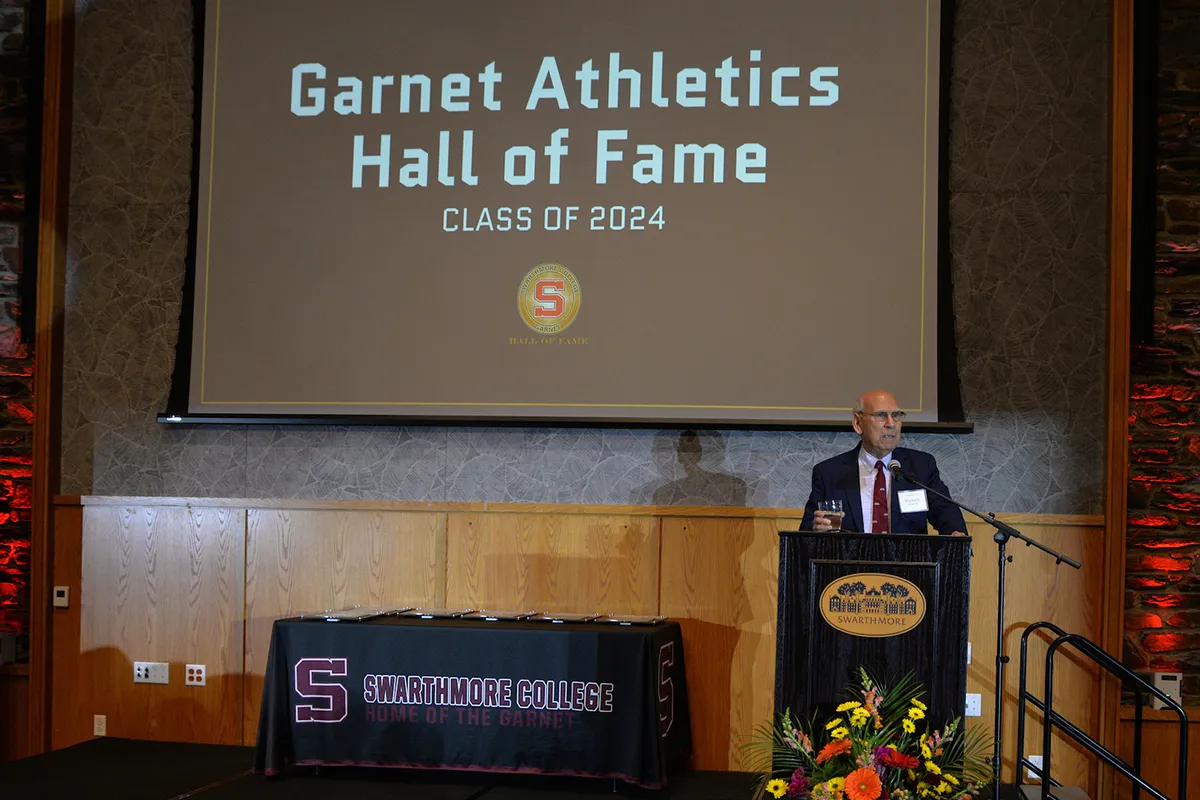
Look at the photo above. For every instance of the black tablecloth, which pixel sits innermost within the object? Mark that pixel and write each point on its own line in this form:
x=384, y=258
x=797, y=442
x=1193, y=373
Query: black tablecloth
x=588, y=699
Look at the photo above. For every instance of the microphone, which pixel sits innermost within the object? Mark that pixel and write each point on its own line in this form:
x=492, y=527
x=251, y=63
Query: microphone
x=896, y=468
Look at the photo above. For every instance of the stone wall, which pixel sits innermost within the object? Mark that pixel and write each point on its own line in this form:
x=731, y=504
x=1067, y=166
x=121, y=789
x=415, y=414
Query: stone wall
x=1162, y=618
x=16, y=359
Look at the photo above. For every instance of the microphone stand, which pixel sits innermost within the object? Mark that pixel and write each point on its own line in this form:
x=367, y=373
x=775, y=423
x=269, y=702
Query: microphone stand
x=1004, y=532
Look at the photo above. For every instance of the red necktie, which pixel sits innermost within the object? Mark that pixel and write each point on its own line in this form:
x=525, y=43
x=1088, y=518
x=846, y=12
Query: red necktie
x=879, y=501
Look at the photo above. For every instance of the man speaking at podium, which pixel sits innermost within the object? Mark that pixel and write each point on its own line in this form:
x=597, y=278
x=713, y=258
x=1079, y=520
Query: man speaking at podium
x=875, y=497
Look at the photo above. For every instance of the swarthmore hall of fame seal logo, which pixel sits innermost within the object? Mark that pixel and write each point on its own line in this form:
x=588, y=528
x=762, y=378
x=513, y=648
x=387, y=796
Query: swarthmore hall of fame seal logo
x=549, y=298
x=870, y=604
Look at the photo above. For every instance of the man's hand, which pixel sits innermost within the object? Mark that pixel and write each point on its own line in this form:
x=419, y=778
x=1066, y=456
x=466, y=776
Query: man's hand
x=821, y=523
x=958, y=533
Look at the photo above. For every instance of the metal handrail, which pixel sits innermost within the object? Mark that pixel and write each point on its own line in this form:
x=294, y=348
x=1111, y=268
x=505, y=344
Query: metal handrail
x=1022, y=695
x=1052, y=719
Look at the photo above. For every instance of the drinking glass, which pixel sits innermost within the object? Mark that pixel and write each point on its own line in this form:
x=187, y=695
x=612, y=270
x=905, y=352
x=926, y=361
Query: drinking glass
x=833, y=512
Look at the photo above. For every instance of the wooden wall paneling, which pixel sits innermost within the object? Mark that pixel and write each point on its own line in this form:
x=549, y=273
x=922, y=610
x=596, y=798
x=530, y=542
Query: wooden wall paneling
x=720, y=579
x=553, y=562
x=163, y=584
x=1116, y=463
x=14, y=723
x=53, y=192
x=1160, y=751
x=299, y=561
x=1039, y=591
x=68, y=718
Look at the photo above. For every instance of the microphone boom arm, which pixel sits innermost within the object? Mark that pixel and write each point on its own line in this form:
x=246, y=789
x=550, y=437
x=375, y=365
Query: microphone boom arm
x=1002, y=529
x=1003, y=533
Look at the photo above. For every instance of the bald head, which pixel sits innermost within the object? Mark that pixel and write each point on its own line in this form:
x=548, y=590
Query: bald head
x=879, y=436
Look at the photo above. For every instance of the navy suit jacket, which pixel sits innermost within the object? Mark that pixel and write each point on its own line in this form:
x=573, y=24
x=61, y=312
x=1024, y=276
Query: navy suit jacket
x=837, y=479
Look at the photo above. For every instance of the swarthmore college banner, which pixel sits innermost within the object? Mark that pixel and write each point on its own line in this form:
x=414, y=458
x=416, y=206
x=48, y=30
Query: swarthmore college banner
x=574, y=699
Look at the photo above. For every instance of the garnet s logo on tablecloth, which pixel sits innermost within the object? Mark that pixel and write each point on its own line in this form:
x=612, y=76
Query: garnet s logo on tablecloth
x=872, y=604
x=329, y=699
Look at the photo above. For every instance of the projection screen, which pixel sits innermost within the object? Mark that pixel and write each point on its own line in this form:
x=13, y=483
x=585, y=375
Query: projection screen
x=622, y=211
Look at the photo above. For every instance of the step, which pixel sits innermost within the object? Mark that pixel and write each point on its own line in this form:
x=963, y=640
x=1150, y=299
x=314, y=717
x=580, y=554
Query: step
x=1032, y=791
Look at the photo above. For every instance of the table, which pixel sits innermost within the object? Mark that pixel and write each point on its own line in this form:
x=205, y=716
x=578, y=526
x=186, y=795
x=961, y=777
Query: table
x=588, y=699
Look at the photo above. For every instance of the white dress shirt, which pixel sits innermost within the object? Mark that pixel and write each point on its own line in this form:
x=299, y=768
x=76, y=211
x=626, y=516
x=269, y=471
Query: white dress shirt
x=866, y=486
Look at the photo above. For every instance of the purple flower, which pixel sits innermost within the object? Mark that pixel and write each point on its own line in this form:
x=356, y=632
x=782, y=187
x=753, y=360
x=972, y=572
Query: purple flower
x=799, y=785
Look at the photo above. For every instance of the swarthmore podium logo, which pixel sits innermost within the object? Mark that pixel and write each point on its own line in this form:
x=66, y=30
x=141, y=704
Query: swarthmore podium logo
x=871, y=604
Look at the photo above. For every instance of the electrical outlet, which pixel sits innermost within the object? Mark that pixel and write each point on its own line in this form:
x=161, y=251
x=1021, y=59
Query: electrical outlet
x=62, y=596
x=974, y=705
x=99, y=725
x=193, y=675
x=1030, y=774
x=151, y=672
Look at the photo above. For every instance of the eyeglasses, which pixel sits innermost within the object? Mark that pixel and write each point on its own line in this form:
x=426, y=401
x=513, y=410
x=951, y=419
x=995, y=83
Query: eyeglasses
x=882, y=416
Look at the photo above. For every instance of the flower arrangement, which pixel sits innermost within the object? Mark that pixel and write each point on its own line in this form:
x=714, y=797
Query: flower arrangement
x=877, y=745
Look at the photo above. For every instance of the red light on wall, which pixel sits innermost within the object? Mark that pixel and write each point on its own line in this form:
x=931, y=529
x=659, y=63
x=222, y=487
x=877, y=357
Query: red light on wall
x=1142, y=621
x=1154, y=521
x=1159, y=564
x=1164, y=476
x=1166, y=642
x=1163, y=600
x=1145, y=583
x=1166, y=544
x=1151, y=455
x=20, y=411
x=1183, y=500
x=1165, y=414
x=1147, y=391
x=1153, y=391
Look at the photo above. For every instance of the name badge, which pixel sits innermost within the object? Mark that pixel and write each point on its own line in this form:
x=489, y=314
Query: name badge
x=912, y=500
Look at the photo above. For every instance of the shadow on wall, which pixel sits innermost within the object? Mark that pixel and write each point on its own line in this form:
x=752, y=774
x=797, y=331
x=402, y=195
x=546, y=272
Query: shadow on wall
x=684, y=481
x=166, y=713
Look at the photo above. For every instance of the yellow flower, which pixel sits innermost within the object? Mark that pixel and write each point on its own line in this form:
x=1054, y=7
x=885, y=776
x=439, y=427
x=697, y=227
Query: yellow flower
x=920, y=705
x=833, y=723
x=943, y=787
x=849, y=705
x=908, y=725
x=932, y=767
x=859, y=718
x=777, y=787
x=925, y=751
x=840, y=733
x=950, y=778
x=836, y=784
x=916, y=713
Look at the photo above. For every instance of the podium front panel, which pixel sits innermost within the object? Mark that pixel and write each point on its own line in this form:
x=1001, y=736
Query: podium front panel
x=891, y=603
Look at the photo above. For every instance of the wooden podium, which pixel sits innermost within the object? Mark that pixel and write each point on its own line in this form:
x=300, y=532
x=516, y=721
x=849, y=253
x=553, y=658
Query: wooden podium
x=892, y=603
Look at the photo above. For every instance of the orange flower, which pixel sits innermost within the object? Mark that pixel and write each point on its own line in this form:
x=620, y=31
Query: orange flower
x=863, y=784
x=834, y=748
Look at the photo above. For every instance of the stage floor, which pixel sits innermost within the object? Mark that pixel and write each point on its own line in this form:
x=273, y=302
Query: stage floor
x=137, y=770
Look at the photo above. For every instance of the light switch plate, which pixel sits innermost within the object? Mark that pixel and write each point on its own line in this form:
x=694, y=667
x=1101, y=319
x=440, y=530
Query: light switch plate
x=151, y=672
